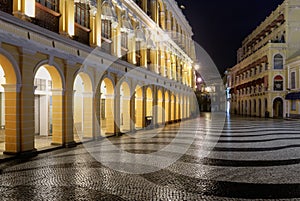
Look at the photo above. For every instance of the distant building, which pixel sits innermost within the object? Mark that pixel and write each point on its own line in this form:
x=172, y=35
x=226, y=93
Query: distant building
x=265, y=80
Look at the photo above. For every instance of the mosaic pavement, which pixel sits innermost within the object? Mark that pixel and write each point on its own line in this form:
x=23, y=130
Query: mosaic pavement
x=237, y=159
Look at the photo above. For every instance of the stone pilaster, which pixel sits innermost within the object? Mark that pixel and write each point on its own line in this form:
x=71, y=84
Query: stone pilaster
x=12, y=119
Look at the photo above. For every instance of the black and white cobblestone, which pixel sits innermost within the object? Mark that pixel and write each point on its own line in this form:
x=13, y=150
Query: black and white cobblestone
x=253, y=159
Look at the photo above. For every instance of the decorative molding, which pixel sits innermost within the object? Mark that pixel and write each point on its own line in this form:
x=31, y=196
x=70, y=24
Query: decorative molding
x=12, y=87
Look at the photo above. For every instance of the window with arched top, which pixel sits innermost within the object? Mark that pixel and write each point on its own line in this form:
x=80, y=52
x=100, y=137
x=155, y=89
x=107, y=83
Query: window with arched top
x=278, y=83
x=278, y=61
x=109, y=21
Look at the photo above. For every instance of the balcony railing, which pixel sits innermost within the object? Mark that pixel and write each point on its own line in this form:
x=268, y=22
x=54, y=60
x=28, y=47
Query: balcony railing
x=82, y=34
x=46, y=18
x=106, y=45
x=124, y=52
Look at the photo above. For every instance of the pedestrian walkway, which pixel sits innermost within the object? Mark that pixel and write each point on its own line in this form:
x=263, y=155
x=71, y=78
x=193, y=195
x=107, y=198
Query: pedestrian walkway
x=41, y=143
x=237, y=159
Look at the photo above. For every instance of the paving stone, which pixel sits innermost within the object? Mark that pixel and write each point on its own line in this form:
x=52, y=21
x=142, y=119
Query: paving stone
x=252, y=159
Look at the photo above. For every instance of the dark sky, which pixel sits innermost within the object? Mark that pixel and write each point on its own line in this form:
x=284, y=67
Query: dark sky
x=220, y=26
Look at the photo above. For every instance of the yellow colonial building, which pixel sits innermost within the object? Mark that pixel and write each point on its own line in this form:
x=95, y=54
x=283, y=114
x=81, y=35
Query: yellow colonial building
x=261, y=82
x=91, y=68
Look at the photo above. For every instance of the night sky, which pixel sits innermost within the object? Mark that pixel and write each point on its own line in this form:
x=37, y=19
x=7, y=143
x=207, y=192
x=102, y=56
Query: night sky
x=220, y=26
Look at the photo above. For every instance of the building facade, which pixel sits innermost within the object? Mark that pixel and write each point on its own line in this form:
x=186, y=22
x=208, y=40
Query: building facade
x=91, y=68
x=293, y=76
x=260, y=81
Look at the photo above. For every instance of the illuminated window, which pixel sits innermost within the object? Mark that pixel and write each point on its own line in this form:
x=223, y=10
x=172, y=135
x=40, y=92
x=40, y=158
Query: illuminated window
x=106, y=29
x=158, y=15
x=52, y=4
x=49, y=84
x=138, y=53
x=82, y=14
x=148, y=56
x=159, y=62
x=40, y=84
x=124, y=40
x=124, y=45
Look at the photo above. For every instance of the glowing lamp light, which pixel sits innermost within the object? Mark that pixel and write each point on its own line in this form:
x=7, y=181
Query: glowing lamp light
x=208, y=89
x=199, y=79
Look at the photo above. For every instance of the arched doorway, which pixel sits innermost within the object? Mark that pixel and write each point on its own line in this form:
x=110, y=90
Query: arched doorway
x=266, y=112
x=242, y=108
x=138, y=108
x=9, y=80
x=278, y=108
x=2, y=109
x=83, y=108
x=107, y=125
x=43, y=103
x=167, y=107
x=249, y=108
x=177, y=113
x=160, y=109
x=48, y=111
x=149, y=107
x=125, y=108
x=184, y=106
x=173, y=107
x=149, y=102
x=181, y=106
